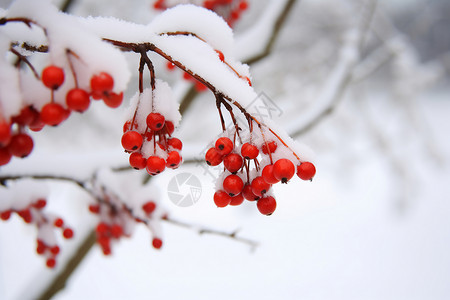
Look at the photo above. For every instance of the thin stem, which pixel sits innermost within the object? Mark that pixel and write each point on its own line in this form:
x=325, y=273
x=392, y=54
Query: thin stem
x=26, y=61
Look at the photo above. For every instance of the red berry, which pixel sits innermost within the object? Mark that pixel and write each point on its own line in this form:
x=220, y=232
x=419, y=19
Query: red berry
x=59, y=222
x=5, y=156
x=157, y=243
x=5, y=215
x=259, y=186
x=170, y=66
x=102, y=82
x=26, y=116
x=51, y=263
x=25, y=214
x=267, y=174
x=233, y=185
x=237, y=200
x=233, y=162
x=132, y=140
x=37, y=124
x=102, y=229
x=221, y=198
x=283, y=169
x=55, y=249
x=21, y=145
x=155, y=121
x=270, y=147
x=306, y=171
x=68, y=233
x=173, y=159
x=5, y=133
x=170, y=128
x=174, y=143
x=137, y=161
x=53, y=114
x=149, y=207
x=249, y=151
x=78, y=100
x=40, y=203
x=155, y=165
x=113, y=100
x=116, y=231
x=243, y=5
x=248, y=193
x=200, y=87
x=41, y=247
x=221, y=56
x=267, y=205
x=95, y=209
x=52, y=77
x=224, y=145
x=212, y=157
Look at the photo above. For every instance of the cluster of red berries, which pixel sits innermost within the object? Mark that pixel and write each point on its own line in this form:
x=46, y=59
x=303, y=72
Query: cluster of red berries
x=33, y=214
x=115, y=224
x=152, y=148
x=14, y=141
x=238, y=183
x=230, y=10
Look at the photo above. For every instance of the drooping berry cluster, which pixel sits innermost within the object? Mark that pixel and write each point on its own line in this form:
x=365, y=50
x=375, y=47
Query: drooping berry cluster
x=45, y=223
x=230, y=10
x=239, y=181
x=148, y=133
x=15, y=141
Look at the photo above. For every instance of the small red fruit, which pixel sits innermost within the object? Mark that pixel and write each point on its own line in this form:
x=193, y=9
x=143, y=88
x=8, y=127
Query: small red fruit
x=5, y=133
x=51, y=263
x=52, y=77
x=157, y=243
x=132, y=140
x=21, y=145
x=248, y=193
x=237, y=200
x=93, y=208
x=170, y=128
x=40, y=203
x=233, y=185
x=173, y=159
x=259, y=186
x=102, y=82
x=5, y=215
x=5, y=156
x=221, y=198
x=155, y=165
x=149, y=207
x=267, y=174
x=59, y=222
x=55, y=249
x=68, y=233
x=53, y=114
x=116, y=231
x=25, y=214
x=212, y=157
x=224, y=145
x=267, y=205
x=283, y=169
x=113, y=100
x=175, y=143
x=306, y=171
x=155, y=121
x=270, y=147
x=26, y=116
x=137, y=161
x=78, y=100
x=233, y=162
x=249, y=151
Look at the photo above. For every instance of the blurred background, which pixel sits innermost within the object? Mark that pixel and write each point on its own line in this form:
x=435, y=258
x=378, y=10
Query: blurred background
x=363, y=83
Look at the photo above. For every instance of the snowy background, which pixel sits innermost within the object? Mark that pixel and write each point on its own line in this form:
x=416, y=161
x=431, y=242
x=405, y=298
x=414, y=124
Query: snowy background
x=373, y=224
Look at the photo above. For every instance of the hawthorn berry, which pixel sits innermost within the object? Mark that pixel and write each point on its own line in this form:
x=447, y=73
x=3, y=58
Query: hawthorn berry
x=221, y=198
x=149, y=207
x=137, y=161
x=53, y=114
x=93, y=208
x=269, y=147
x=212, y=157
x=52, y=77
x=233, y=162
x=233, y=185
x=174, y=142
x=78, y=100
x=155, y=121
x=237, y=200
x=102, y=229
x=5, y=156
x=55, y=250
x=267, y=174
x=68, y=233
x=21, y=145
x=249, y=151
x=157, y=243
x=113, y=100
x=132, y=140
x=173, y=159
x=155, y=165
x=25, y=214
x=40, y=247
x=248, y=193
x=306, y=171
x=58, y=223
x=170, y=128
x=224, y=145
x=283, y=169
x=116, y=231
x=5, y=215
x=40, y=203
x=266, y=205
x=5, y=133
x=102, y=83
x=26, y=116
x=51, y=262
x=259, y=186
